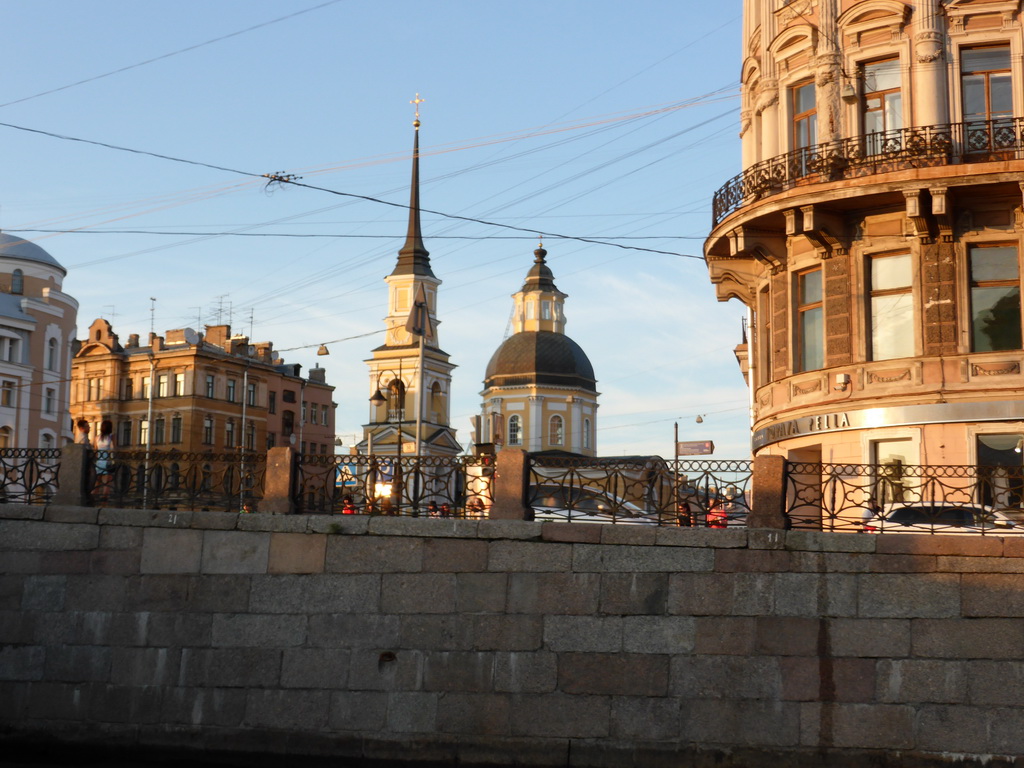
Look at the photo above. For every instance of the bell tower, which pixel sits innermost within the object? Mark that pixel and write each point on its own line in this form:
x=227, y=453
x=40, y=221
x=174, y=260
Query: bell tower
x=410, y=375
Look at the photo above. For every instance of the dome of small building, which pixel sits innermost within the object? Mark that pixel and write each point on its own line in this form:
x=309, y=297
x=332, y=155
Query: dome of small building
x=12, y=246
x=540, y=357
x=539, y=278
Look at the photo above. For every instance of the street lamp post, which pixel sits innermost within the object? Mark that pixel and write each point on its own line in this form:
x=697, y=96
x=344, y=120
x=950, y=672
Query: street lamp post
x=378, y=399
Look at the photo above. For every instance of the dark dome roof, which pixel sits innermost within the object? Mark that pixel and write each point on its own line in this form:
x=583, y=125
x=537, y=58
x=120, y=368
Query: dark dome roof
x=20, y=248
x=540, y=357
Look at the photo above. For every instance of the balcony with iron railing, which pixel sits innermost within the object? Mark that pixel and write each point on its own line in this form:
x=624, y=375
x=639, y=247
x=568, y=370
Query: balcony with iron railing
x=978, y=141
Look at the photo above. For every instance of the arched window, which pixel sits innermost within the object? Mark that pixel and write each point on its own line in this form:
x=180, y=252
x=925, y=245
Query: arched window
x=17, y=282
x=515, y=430
x=51, y=355
x=555, y=430
x=436, y=405
x=586, y=434
x=396, y=401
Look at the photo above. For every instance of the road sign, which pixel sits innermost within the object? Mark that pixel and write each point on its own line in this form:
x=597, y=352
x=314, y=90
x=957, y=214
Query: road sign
x=695, y=448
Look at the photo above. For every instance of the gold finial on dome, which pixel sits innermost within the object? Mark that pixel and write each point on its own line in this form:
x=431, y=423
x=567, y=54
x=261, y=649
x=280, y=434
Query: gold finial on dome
x=417, y=101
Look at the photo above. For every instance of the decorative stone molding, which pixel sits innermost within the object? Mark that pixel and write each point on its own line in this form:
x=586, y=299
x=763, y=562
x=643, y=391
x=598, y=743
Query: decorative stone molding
x=806, y=388
x=928, y=46
x=767, y=95
x=794, y=9
x=745, y=121
x=995, y=369
x=915, y=215
x=889, y=377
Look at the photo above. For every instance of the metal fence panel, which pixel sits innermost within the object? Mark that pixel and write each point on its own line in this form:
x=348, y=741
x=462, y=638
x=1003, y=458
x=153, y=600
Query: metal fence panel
x=230, y=482
x=640, y=490
x=438, y=486
x=28, y=475
x=898, y=498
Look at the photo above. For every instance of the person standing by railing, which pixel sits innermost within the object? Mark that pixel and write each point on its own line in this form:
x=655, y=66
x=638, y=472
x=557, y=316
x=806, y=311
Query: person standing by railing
x=82, y=432
x=105, y=459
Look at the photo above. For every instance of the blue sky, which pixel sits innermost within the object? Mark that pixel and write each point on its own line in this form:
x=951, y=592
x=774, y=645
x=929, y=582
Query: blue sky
x=601, y=120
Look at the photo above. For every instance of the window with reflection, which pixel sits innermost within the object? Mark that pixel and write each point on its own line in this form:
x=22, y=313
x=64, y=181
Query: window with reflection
x=515, y=430
x=810, y=321
x=892, y=307
x=556, y=430
x=995, y=298
x=986, y=83
x=1000, y=470
x=805, y=121
x=882, y=104
x=987, y=92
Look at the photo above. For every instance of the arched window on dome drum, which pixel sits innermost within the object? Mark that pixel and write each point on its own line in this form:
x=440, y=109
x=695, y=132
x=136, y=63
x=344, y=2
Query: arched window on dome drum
x=515, y=430
x=555, y=430
x=17, y=282
x=586, y=433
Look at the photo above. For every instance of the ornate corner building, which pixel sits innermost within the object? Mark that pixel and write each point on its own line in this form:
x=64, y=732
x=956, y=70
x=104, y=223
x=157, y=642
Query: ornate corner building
x=875, y=231
x=540, y=393
x=37, y=335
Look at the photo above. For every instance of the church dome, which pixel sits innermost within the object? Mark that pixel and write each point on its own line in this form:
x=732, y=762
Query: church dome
x=14, y=247
x=540, y=357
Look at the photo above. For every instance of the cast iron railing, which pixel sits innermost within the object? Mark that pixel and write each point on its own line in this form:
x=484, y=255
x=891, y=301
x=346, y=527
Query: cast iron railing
x=28, y=475
x=919, y=147
x=231, y=482
x=423, y=486
x=644, y=490
x=898, y=498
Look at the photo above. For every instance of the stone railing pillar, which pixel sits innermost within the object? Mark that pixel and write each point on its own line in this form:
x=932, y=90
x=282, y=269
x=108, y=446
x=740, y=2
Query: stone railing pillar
x=72, y=477
x=511, y=479
x=279, y=482
x=768, y=500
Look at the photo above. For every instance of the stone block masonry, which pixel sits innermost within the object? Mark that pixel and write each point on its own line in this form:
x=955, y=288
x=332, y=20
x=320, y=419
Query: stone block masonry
x=508, y=642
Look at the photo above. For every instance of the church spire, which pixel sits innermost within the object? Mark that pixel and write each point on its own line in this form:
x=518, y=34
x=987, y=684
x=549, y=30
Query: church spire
x=413, y=258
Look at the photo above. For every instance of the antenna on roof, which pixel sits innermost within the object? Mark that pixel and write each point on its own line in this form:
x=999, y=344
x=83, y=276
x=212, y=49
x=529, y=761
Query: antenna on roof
x=152, y=316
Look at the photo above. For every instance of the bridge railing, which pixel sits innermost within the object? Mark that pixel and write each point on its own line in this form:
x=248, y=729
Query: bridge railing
x=645, y=489
x=28, y=475
x=903, y=498
x=420, y=486
x=767, y=492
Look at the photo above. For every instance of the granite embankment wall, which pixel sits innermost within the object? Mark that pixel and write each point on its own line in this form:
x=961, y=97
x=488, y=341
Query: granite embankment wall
x=508, y=641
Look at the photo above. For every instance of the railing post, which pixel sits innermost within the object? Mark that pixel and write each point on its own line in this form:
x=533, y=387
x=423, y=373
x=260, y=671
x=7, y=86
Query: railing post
x=768, y=503
x=279, y=482
x=511, y=479
x=72, y=485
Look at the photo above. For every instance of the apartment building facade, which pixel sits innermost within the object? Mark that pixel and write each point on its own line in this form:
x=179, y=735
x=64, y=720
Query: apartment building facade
x=875, y=232
x=210, y=392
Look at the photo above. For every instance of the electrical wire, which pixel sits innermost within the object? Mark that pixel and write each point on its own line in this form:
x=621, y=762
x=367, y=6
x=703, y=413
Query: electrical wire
x=169, y=55
x=333, y=235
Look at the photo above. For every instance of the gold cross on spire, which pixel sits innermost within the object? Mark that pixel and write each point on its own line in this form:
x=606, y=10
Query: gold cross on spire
x=417, y=101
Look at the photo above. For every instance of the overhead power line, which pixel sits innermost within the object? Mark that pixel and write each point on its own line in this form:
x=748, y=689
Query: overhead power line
x=322, y=234
x=277, y=178
x=169, y=55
